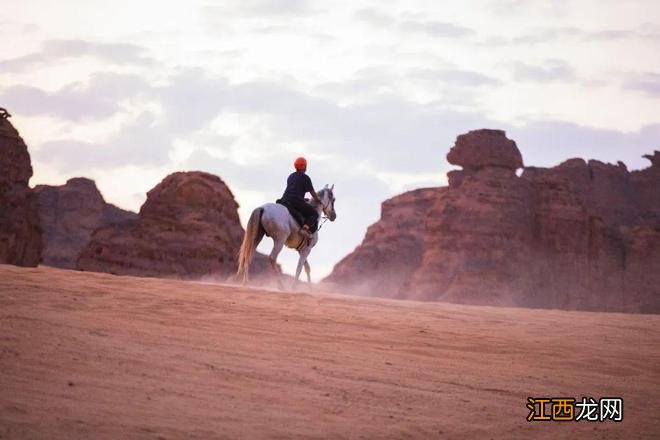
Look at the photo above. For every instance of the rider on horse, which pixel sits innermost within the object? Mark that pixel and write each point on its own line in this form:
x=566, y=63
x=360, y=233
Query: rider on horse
x=297, y=185
x=281, y=222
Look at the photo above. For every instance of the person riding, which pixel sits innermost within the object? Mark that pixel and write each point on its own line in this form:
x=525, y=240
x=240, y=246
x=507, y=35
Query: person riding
x=297, y=185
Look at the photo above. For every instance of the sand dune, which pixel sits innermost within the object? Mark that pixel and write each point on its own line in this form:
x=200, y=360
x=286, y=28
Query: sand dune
x=86, y=355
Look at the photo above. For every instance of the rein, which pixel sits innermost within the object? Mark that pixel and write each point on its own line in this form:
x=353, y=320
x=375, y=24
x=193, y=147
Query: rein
x=325, y=219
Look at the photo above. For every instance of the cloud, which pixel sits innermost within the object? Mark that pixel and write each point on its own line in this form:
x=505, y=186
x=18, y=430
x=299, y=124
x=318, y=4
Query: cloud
x=457, y=87
x=649, y=31
x=30, y=28
x=547, y=143
x=258, y=8
x=411, y=23
x=144, y=142
x=549, y=71
x=553, y=8
x=275, y=7
x=454, y=77
x=547, y=34
x=101, y=97
x=542, y=35
x=366, y=82
x=192, y=99
x=436, y=28
x=385, y=134
x=375, y=17
x=59, y=50
x=17, y=28
x=647, y=83
x=609, y=35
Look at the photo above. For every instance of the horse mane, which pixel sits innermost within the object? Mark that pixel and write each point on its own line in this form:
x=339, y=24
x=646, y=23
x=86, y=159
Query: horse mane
x=320, y=193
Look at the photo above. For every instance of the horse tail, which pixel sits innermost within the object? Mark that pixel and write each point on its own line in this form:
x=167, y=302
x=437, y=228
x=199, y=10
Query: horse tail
x=251, y=238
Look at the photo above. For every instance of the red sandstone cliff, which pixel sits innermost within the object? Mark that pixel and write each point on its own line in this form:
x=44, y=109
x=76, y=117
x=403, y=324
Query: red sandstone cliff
x=576, y=236
x=20, y=235
x=187, y=228
x=392, y=248
x=69, y=214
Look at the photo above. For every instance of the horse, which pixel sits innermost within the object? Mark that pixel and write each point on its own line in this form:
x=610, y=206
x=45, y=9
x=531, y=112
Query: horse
x=275, y=221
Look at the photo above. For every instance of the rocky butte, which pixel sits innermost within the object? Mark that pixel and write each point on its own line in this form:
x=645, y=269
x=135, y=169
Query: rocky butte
x=581, y=235
x=20, y=234
x=69, y=214
x=391, y=250
x=187, y=228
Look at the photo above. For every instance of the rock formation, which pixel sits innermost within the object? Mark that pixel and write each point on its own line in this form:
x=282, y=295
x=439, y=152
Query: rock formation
x=581, y=235
x=187, y=228
x=485, y=148
x=69, y=214
x=20, y=235
x=392, y=248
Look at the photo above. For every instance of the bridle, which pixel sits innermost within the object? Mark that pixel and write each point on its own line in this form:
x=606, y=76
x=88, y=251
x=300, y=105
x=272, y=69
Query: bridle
x=325, y=217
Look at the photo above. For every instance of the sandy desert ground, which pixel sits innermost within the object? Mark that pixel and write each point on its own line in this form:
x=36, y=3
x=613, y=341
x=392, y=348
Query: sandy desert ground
x=86, y=355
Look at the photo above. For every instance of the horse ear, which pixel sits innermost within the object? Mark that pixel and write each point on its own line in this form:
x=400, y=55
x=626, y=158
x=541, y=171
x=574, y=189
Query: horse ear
x=332, y=187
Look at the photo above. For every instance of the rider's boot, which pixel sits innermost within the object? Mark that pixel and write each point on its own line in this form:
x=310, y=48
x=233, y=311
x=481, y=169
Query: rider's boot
x=305, y=232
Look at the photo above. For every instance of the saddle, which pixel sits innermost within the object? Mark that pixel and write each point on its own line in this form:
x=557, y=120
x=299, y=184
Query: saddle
x=297, y=216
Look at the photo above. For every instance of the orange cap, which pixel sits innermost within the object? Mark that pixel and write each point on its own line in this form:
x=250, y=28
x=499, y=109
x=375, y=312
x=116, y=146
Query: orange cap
x=300, y=164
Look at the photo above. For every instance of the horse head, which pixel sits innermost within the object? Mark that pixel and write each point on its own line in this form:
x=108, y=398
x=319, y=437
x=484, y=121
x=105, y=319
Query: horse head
x=328, y=202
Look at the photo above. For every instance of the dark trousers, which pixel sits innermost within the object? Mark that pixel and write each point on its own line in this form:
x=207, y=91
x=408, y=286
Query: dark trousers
x=309, y=214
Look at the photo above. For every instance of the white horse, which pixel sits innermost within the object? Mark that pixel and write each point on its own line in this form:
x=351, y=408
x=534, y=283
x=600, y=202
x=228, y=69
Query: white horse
x=275, y=221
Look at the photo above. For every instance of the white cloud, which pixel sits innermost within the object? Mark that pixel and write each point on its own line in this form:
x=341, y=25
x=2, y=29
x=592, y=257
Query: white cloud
x=58, y=50
x=645, y=82
x=100, y=97
x=549, y=71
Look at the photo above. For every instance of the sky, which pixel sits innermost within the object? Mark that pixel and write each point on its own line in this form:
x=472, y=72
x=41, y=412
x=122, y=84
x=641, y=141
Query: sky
x=372, y=93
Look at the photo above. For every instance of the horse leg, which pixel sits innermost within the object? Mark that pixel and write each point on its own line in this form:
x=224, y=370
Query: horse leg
x=277, y=248
x=308, y=271
x=302, y=260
